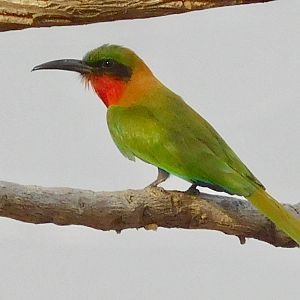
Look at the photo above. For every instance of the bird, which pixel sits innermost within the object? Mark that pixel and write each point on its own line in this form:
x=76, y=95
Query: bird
x=149, y=121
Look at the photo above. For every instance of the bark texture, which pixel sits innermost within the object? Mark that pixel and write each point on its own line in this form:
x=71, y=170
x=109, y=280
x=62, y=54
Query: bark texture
x=19, y=14
x=149, y=208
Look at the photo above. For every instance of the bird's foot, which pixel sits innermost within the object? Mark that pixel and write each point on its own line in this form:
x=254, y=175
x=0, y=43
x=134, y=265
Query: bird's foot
x=161, y=177
x=192, y=190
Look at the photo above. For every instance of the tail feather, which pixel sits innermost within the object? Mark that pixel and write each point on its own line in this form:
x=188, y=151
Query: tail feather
x=282, y=218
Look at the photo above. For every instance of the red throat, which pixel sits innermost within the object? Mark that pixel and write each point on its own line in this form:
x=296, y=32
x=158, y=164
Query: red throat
x=109, y=89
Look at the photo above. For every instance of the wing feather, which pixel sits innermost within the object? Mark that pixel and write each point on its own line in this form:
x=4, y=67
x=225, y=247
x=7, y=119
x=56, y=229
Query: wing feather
x=193, y=155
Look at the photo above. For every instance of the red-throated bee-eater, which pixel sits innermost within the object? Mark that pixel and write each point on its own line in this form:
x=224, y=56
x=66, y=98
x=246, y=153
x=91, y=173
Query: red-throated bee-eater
x=149, y=121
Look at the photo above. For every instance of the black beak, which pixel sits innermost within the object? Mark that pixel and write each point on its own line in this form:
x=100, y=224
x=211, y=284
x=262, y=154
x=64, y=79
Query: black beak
x=74, y=65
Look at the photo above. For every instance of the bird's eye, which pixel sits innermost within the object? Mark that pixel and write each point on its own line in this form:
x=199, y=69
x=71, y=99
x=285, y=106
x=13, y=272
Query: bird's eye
x=107, y=63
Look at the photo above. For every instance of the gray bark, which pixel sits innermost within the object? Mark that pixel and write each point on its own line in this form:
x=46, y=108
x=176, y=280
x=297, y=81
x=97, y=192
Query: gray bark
x=149, y=208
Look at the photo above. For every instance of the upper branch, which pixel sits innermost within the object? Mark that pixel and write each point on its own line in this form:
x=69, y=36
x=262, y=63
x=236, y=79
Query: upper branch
x=149, y=208
x=19, y=14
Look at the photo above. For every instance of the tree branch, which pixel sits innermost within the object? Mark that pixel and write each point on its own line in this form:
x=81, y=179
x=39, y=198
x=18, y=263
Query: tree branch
x=149, y=208
x=20, y=14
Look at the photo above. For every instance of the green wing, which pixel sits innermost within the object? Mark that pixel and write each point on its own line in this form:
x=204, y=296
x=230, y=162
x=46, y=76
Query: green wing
x=166, y=132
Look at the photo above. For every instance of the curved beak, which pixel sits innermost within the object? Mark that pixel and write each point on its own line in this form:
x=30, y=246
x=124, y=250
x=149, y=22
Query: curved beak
x=74, y=65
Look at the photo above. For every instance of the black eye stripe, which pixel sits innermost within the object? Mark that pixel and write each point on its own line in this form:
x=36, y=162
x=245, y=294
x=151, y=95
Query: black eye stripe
x=107, y=63
x=113, y=68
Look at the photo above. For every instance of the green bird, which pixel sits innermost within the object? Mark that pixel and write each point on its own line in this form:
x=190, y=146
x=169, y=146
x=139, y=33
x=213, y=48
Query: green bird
x=149, y=121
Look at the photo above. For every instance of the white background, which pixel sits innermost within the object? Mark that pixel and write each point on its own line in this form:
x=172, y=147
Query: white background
x=237, y=66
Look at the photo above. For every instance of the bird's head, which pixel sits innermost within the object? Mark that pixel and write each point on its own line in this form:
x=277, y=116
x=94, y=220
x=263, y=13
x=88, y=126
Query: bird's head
x=111, y=70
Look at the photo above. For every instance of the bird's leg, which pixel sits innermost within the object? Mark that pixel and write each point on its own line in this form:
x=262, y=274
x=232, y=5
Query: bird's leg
x=161, y=177
x=192, y=190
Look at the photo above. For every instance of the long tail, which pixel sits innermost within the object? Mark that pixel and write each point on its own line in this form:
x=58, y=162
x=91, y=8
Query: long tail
x=276, y=212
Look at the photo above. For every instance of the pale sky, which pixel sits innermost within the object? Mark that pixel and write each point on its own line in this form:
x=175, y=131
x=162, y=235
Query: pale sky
x=238, y=67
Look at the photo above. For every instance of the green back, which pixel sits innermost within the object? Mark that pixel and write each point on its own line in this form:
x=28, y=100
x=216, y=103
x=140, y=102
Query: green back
x=164, y=131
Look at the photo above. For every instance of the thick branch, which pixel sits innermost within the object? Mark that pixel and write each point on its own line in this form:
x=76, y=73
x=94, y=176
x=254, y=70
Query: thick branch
x=149, y=208
x=19, y=14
